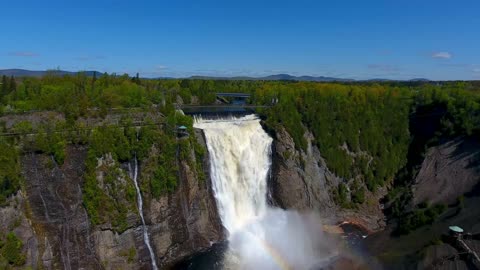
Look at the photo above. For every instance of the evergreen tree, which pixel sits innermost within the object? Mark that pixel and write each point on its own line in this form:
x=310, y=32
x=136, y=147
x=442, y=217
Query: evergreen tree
x=13, y=85
x=94, y=79
x=136, y=79
x=4, y=86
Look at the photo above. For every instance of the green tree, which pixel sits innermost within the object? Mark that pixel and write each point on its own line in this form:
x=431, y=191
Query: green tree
x=9, y=170
x=12, y=86
x=12, y=250
x=4, y=87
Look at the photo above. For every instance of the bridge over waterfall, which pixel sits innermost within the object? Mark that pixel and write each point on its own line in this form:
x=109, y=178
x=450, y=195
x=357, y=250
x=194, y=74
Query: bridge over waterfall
x=226, y=103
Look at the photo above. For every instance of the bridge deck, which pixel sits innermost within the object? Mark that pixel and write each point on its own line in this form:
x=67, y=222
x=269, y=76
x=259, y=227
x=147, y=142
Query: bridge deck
x=223, y=106
x=219, y=109
x=236, y=95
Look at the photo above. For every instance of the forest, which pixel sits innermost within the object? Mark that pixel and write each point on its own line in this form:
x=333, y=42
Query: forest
x=361, y=129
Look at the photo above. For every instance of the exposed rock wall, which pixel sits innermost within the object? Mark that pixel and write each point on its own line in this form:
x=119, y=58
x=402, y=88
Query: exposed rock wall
x=301, y=180
x=13, y=218
x=448, y=171
x=60, y=222
x=53, y=224
x=186, y=221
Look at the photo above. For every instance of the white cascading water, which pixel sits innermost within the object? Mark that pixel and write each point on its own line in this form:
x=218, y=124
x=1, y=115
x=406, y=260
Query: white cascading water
x=146, y=238
x=259, y=236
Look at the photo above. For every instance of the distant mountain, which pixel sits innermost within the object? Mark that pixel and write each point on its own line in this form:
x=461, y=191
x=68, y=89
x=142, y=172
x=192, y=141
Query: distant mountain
x=392, y=80
x=40, y=73
x=380, y=80
x=287, y=77
x=419, y=80
x=277, y=77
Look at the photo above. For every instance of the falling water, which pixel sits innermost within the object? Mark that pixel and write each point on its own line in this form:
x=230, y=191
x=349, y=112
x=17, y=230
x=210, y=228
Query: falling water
x=260, y=236
x=146, y=238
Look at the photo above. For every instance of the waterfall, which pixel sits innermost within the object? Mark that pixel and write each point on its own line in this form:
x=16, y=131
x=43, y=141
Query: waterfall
x=259, y=236
x=146, y=238
x=240, y=152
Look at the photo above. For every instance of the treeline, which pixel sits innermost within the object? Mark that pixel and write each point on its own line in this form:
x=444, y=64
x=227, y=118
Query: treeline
x=81, y=95
x=461, y=107
x=361, y=130
x=8, y=85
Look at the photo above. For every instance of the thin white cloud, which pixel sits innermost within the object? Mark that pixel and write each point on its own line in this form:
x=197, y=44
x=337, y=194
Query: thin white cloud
x=476, y=70
x=442, y=55
x=23, y=54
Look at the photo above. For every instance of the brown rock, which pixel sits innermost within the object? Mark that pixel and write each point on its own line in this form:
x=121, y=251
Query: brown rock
x=301, y=180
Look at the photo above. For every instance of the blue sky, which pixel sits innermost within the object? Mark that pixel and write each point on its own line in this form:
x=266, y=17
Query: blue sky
x=351, y=39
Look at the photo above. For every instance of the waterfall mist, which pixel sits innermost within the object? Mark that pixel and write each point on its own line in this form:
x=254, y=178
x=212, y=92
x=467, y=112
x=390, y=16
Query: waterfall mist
x=259, y=236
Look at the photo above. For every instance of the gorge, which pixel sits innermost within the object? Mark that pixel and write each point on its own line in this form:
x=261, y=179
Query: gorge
x=240, y=135
x=146, y=187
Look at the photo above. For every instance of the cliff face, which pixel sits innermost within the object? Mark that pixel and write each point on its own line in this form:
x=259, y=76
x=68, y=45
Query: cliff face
x=14, y=218
x=179, y=224
x=60, y=222
x=49, y=216
x=186, y=221
x=301, y=180
x=448, y=171
x=51, y=221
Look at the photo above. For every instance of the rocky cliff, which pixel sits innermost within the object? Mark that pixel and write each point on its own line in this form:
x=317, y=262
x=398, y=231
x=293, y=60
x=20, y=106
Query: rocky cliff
x=50, y=219
x=449, y=174
x=448, y=171
x=186, y=221
x=301, y=180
